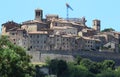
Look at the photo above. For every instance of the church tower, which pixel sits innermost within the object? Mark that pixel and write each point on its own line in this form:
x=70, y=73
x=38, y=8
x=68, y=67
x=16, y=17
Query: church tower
x=38, y=14
x=96, y=25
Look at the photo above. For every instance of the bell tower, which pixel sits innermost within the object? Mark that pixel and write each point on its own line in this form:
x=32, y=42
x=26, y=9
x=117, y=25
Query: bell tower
x=38, y=14
x=96, y=25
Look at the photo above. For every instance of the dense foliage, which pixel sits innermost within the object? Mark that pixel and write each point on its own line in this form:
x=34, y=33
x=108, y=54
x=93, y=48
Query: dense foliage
x=14, y=62
x=108, y=30
x=83, y=67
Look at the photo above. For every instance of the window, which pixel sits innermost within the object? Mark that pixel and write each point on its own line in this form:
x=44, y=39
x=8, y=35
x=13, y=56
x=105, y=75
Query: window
x=57, y=39
x=37, y=36
x=88, y=41
x=24, y=43
x=67, y=39
x=33, y=41
x=13, y=39
x=13, y=33
x=37, y=13
x=30, y=36
x=44, y=41
x=31, y=47
x=55, y=24
x=88, y=45
x=98, y=24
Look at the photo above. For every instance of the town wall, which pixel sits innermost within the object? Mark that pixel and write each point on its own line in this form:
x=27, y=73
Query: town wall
x=41, y=56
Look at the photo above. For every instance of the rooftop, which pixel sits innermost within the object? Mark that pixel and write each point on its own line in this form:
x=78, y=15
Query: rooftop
x=32, y=22
x=64, y=27
x=38, y=32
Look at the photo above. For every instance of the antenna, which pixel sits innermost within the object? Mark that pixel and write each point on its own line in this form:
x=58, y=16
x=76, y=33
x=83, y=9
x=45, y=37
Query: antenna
x=67, y=9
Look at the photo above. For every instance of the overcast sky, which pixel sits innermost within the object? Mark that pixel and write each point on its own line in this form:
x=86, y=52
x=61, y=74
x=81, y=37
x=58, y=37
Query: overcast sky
x=105, y=10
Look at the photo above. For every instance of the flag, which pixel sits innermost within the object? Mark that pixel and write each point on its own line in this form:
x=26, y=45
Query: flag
x=68, y=6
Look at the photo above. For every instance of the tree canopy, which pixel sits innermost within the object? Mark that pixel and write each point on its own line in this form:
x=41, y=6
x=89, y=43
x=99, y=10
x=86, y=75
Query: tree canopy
x=108, y=30
x=83, y=68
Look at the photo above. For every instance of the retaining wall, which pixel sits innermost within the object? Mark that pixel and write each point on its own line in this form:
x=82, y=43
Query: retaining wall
x=41, y=56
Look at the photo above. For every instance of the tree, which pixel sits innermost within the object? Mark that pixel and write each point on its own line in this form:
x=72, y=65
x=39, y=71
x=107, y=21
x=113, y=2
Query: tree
x=108, y=64
x=117, y=72
x=39, y=73
x=95, y=67
x=14, y=62
x=58, y=67
x=62, y=68
x=86, y=62
x=78, y=59
x=79, y=71
x=53, y=66
x=108, y=30
x=107, y=73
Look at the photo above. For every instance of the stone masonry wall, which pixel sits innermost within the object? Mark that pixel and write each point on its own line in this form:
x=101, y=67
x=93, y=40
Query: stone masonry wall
x=41, y=56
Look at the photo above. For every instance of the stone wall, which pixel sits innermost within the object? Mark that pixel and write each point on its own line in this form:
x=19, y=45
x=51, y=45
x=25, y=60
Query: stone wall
x=41, y=56
x=38, y=56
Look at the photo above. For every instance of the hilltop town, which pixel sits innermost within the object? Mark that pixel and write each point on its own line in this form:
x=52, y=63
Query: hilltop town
x=56, y=33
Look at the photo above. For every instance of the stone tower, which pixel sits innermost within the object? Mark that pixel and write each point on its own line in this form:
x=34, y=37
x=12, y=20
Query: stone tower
x=96, y=25
x=38, y=14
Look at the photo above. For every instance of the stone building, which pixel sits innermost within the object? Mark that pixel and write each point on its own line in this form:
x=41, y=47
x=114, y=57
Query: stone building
x=38, y=24
x=102, y=38
x=19, y=37
x=54, y=33
x=38, y=40
x=108, y=38
x=87, y=32
x=61, y=42
x=50, y=17
x=16, y=35
x=9, y=25
x=90, y=44
x=34, y=25
x=68, y=42
x=116, y=35
x=65, y=30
